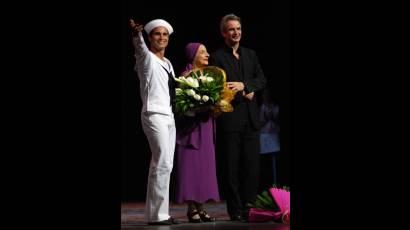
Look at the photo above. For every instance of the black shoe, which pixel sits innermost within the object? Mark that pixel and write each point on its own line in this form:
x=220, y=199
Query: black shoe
x=205, y=217
x=244, y=216
x=191, y=213
x=174, y=221
x=236, y=217
x=170, y=221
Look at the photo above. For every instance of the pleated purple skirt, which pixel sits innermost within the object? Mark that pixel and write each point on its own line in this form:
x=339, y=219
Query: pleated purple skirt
x=195, y=167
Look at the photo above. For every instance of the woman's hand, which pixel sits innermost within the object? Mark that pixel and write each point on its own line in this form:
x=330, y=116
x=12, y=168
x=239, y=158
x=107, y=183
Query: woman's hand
x=235, y=85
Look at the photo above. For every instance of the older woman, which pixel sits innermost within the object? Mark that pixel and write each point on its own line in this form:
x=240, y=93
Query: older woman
x=196, y=181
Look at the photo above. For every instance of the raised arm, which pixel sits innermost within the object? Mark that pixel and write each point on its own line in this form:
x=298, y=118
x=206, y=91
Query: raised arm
x=141, y=50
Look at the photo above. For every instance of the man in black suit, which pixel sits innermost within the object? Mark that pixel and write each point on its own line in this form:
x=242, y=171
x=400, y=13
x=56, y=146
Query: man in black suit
x=238, y=131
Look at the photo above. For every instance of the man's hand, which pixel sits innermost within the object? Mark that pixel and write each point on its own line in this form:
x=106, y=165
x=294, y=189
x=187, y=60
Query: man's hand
x=248, y=96
x=136, y=27
x=237, y=86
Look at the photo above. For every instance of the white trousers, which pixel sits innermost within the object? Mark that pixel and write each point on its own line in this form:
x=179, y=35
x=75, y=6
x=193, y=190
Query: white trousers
x=160, y=132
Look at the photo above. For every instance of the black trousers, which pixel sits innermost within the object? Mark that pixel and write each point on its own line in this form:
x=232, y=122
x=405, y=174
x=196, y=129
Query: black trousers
x=238, y=167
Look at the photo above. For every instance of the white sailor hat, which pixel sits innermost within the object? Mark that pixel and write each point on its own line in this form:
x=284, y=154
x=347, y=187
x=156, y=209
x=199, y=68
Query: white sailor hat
x=158, y=22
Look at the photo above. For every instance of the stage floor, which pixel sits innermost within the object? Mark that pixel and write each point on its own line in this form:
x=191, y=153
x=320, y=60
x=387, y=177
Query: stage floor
x=132, y=217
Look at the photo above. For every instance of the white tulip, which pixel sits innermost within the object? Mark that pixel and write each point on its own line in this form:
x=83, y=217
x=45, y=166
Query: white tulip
x=178, y=91
x=202, y=78
x=195, y=84
x=190, y=92
x=205, y=98
x=197, y=97
x=192, y=82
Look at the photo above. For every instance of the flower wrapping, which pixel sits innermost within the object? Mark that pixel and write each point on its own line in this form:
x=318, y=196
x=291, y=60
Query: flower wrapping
x=260, y=215
x=282, y=199
x=271, y=205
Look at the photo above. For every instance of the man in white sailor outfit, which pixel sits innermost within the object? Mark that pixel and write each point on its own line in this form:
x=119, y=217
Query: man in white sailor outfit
x=155, y=73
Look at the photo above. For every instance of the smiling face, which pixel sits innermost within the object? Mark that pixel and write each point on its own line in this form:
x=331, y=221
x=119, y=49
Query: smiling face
x=158, y=38
x=201, y=57
x=232, y=32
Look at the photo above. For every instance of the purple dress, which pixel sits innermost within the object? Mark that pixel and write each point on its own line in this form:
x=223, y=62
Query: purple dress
x=195, y=166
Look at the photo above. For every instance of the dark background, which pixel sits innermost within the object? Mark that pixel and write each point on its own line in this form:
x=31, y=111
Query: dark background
x=73, y=91
x=265, y=28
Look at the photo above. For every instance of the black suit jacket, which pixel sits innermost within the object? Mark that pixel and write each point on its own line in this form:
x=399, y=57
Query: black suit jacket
x=254, y=80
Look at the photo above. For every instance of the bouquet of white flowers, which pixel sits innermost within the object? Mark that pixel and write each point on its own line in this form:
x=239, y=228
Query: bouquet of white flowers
x=203, y=89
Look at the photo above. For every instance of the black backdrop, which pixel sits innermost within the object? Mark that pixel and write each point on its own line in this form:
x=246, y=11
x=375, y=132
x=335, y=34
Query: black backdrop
x=63, y=97
x=265, y=28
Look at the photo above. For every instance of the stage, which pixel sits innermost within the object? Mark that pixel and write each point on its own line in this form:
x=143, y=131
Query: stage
x=132, y=217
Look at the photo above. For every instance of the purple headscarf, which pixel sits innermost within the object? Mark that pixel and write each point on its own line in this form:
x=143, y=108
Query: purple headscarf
x=190, y=52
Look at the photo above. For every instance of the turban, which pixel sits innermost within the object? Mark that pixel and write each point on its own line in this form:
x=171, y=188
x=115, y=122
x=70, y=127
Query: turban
x=190, y=53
